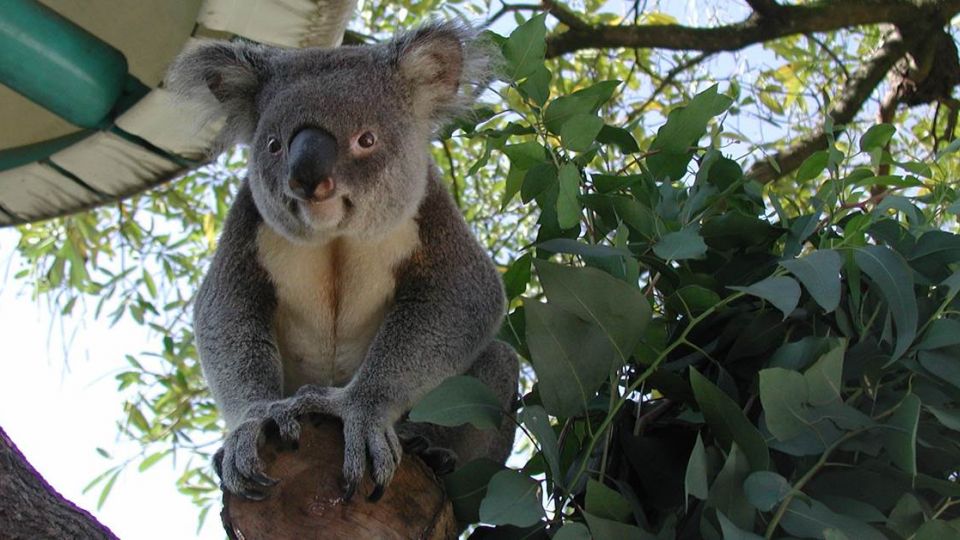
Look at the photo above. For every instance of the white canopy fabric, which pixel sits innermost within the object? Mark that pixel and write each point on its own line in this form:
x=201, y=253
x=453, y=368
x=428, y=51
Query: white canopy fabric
x=157, y=139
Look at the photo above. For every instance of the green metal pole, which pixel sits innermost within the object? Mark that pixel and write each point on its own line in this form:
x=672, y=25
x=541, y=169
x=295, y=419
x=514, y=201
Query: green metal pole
x=57, y=64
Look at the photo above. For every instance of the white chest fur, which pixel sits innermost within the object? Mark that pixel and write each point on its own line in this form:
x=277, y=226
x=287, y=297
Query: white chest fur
x=331, y=300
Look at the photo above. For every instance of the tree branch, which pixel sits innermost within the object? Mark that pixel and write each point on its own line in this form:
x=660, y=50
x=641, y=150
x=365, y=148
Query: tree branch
x=667, y=80
x=855, y=94
x=31, y=508
x=509, y=8
x=764, y=7
x=564, y=15
x=789, y=20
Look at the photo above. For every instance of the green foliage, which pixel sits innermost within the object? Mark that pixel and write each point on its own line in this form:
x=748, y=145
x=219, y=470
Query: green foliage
x=457, y=401
x=705, y=363
x=704, y=356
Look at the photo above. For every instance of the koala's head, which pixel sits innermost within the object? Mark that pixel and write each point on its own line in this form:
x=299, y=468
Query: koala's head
x=338, y=137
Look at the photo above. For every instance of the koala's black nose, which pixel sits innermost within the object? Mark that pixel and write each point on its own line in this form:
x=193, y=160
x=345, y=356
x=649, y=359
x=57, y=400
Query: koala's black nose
x=313, y=153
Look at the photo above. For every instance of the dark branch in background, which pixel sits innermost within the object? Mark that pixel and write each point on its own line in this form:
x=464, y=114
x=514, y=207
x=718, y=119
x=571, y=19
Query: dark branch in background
x=764, y=7
x=953, y=109
x=930, y=77
x=829, y=52
x=564, y=15
x=666, y=81
x=924, y=68
x=854, y=95
x=509, y=8
x=787, y=21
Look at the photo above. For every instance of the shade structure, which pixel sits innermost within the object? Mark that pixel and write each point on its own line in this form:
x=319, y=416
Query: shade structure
x=84, y=117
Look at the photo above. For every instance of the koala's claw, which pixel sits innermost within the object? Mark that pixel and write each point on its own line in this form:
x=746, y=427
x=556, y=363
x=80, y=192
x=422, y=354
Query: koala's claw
x=376, y=494
x=368, y=439
x=238, y=462
x=349, y=488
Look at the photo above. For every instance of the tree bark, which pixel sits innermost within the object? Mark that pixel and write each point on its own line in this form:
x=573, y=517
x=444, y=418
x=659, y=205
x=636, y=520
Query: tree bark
x=31, y=509
x=931, y=75
x=766, y=25
x=308, y=500
x=855, y=94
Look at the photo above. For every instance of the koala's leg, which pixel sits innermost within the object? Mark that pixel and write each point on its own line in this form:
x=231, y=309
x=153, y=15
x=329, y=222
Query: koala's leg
x=498, y=368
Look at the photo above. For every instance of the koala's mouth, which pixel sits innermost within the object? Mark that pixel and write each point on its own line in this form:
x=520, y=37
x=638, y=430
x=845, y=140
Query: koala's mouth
x=331, y=212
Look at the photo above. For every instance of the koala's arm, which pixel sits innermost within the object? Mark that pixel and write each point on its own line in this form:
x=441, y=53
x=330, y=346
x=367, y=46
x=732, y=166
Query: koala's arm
x=448, y=305
x=232, y=319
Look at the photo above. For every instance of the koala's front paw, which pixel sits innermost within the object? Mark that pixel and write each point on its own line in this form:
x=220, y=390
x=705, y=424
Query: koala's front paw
x=367, y=433
x=238, y=462
x=369, y=436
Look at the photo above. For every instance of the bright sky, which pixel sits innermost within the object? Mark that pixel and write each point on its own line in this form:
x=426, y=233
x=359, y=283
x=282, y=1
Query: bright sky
x=58, y=407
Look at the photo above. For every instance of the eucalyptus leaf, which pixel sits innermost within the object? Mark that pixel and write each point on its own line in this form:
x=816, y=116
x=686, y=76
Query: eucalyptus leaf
x=732, y=532
x=692, y=299
x=937, y=529
x=820, y=274
x=811, y=519
x=606, y=529
x=907, y=516
x=511, y=499
x=619, y=137
x=695, y=480
x=764, y=489
x=812, y=166
x=900, y=437
x=562, y=109
x=726, y=492
x=459, y=400
x=680, y=245
x=579, y=131
x=516, y=278
x=619, y=310
x=535, y=419
x=876, y=137
x=524, y=50
x=606, y=503
x=537, y=85
x=781, y=291
x=950, y=418
x=894, y=281
x=467, y=486
x=571, y=357
x=941, y=333
x=573, y=531
x=568, y=245
x=686, y=124
x=539, y=178
x=942, y=364
x=526, y=154
x=568, y=207
x=728, y=421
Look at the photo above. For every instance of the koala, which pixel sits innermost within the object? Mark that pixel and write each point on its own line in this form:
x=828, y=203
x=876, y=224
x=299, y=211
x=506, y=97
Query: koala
x=345, y=282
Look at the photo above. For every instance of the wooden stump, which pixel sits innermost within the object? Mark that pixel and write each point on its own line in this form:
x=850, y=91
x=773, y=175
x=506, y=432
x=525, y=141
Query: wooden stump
x=308, y=500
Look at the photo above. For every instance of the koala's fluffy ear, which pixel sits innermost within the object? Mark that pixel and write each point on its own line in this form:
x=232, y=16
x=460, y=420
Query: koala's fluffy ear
x=224, y=79
x=438, y=62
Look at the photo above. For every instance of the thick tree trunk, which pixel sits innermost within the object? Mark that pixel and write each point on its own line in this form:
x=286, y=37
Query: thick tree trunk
x=308, y=502
x=31, y=509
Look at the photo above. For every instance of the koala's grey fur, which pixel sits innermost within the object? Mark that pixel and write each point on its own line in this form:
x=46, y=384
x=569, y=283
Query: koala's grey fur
x=359, y=305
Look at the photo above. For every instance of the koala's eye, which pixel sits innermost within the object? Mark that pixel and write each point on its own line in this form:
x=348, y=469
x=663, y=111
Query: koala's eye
x=367, y=140
x=274, y=146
